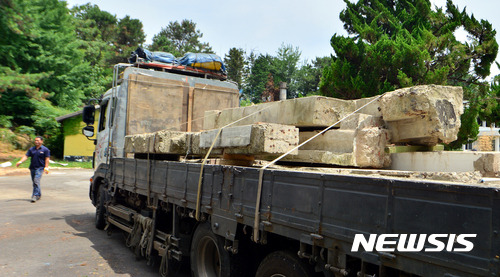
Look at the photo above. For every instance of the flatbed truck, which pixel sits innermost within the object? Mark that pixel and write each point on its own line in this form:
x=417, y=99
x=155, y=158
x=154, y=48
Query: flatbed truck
x=307, y=223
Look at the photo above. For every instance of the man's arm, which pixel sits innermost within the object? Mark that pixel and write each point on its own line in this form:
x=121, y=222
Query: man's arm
x=47, y=161
x=24, y=158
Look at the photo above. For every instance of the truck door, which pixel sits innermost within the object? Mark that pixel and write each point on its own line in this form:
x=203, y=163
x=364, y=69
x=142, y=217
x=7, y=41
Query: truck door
x=103, y=133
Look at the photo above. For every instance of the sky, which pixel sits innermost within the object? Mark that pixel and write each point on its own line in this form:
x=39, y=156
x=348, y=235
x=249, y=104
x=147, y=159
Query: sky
x=263, y=26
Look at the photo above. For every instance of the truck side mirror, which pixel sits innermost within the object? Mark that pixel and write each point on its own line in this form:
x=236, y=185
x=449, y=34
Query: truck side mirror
x=88, y=131
x=88, y=115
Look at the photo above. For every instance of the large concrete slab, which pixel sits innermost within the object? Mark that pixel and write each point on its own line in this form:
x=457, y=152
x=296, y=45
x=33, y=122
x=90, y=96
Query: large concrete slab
x=314, y=111
x=420, y=115
x=424, y=115
x=361, y=148
x=256, y=139
x=488, y=163
x=361, y=120
x=340, y=141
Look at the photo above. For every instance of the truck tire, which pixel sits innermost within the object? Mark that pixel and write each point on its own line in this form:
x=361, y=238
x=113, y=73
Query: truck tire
x=283, y=264
x=100, y=210
x=208, y=257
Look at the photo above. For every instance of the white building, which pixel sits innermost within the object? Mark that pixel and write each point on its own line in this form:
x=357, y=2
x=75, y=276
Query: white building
x=488, y=139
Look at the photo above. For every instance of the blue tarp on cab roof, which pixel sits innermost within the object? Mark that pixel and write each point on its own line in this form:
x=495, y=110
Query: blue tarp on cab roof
x=163, y=57
x=201, y=58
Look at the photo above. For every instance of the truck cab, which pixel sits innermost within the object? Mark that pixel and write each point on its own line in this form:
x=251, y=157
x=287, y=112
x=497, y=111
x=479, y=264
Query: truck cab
x=146, y=100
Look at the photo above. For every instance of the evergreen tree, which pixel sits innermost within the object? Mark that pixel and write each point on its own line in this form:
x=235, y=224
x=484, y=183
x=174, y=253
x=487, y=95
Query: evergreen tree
x=284, y=68
x=395, y=44
x=309, y=75
x=235, y=65
x=179, y=39
x=258, y=74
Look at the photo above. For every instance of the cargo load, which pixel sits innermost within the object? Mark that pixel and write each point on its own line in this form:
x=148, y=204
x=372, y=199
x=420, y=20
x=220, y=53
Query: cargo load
x=147, y=55
x=202, y=60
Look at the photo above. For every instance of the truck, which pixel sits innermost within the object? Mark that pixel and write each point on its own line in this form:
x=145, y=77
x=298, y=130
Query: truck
x=229, y=220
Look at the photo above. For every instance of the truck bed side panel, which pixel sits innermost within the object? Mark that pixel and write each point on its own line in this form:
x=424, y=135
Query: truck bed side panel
x=303, y=206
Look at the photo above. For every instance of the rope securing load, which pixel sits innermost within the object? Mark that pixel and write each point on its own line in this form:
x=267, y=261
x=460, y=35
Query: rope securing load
x=261, y=170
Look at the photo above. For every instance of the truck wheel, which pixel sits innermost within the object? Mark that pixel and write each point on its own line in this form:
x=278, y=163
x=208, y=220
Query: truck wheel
x=283, y=264
x=100, y=210
x=208, y=257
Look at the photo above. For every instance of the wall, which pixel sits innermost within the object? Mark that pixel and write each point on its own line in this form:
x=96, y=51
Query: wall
x=75, y=143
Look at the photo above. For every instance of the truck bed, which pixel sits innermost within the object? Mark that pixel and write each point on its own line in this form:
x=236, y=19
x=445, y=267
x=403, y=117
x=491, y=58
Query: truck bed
x=327, y=210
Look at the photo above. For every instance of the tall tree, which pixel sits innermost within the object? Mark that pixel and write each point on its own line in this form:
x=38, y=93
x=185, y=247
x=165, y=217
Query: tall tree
x=130, y=33
x=129, y=36
x=95, y=23
x=309, y=75
x=258, y=75
x=235, y=65
x=96, y=30
x=180, y=38
x=395, y=44
x=284, y=68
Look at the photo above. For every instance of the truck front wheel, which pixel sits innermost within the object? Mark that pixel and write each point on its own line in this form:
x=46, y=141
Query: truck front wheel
x=283, y=264
x=100, y=210
x=208, y=257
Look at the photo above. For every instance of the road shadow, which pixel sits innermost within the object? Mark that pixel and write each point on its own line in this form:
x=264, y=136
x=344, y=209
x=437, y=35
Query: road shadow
x=111, y=247
x=19, y=200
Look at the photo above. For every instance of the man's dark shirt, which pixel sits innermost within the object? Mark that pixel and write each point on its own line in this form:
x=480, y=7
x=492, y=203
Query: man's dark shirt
x=38, y=156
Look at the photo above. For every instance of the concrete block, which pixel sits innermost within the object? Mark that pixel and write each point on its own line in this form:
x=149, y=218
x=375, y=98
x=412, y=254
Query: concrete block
x=161, y=142
x=488, y=163
x=322, y=157
x=314, y=111
x=171, y=142
x=361, y=148
x=140, y=143
x=256, y=139
x=369, y=148
x=424, y=115
x=361, y=120
x=340, y=141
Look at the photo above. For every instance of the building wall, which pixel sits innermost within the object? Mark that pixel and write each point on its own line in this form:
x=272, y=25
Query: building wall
x=486, y=143
x=75, y=143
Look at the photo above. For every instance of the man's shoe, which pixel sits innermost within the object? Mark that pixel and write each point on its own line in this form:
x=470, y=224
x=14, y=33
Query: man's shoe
x=33, y=199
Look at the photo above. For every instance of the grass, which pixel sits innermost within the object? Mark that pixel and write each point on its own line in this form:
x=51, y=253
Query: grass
x=26, y=164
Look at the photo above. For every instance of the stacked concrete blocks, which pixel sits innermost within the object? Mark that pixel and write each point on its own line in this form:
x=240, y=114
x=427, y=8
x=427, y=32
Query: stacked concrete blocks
x=421, y=115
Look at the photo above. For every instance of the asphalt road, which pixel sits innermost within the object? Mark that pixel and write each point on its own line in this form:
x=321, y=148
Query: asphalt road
x=56, y=235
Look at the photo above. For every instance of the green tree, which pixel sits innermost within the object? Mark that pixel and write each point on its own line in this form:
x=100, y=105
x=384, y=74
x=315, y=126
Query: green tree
x=95, y=24
x=96, y=30
x=179, y=39
x=258, y=73
x=235, y=65
x=395, y=44
x=130, y=34
x=40, y=61
x=309, y=75
x=490, y=108
x=284, y=68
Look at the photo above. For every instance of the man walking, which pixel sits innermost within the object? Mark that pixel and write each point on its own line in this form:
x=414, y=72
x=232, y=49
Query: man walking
x=40, y=156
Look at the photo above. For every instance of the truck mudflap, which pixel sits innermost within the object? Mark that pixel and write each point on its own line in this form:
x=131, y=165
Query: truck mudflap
x=330, y=211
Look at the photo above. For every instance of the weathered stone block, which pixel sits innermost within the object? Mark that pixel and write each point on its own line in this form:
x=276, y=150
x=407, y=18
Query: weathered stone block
x=424, y=115
x=256, y=139
x=314, y=111
x=360, y=120
x=340, y=141
x=360, y=148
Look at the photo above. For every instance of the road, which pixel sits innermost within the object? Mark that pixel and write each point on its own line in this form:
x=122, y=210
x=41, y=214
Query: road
x=56, y=235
